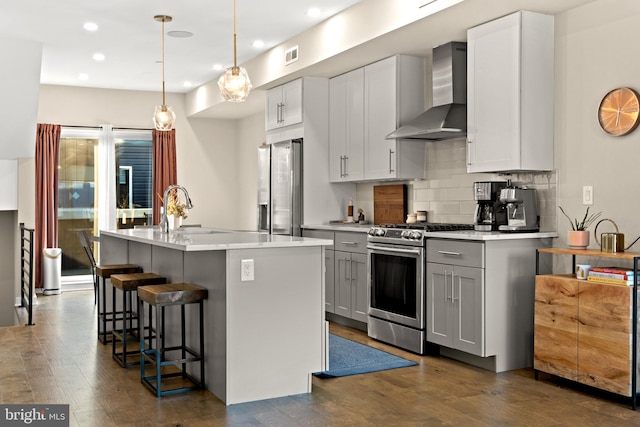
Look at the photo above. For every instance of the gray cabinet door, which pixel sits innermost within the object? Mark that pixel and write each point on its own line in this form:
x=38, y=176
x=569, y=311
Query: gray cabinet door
x=359, y=301
x=342, y=283
x=469, y=310
x=439, y=306
x=329, y=282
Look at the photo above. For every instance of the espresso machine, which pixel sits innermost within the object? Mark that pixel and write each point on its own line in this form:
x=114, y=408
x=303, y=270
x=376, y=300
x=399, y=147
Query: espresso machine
x=522, y=213
x=490, y=213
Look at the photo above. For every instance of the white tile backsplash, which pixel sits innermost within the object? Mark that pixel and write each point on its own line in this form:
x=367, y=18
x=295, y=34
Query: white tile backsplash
x=446, y=193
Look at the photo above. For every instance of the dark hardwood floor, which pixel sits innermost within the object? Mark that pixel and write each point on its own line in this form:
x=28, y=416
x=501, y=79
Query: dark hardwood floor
x=59, y=360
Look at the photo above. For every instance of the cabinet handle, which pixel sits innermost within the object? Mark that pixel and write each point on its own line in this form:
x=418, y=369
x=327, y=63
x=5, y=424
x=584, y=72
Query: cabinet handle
x=349, y=243
x=446, y=293
x=390, y=164
x=352, y=270
x=341, y=172
x=468, y=152
x=453, y=288
x=450, y=253
x=346, y=169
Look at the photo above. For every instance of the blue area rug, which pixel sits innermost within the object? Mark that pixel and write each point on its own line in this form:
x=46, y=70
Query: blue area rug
x=347, y=357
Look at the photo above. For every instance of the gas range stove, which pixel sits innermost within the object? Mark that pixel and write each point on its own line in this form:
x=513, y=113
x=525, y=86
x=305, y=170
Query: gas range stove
x=410, y=234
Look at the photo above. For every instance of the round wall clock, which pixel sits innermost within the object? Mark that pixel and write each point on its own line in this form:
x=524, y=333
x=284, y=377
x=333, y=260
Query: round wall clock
x=618, y=111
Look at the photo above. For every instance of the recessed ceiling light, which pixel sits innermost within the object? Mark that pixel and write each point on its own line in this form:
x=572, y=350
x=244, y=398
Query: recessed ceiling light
x=90, y=26
x=187, y=84
x=180, y=34
x=314, y=12
x=98, y=56
x=83, y=76
x=257, y=43
x=218, y=67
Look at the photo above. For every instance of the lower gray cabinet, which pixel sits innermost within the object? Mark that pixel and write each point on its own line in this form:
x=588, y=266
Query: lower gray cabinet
x=346, y=273
x=351, y=285
x=456, y=307
x=455, y=295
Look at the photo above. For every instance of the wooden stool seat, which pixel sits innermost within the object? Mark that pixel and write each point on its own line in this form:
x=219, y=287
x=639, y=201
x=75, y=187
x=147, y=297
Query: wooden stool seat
x=131, y=281
x=172, y=293
x=106, y=271
x=162, y=356
x=128, y=283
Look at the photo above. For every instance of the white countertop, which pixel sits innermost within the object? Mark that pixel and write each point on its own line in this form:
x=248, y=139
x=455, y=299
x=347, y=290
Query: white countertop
x=488, y=235
x=358, y=228
x=459, y=235
x=211, y=239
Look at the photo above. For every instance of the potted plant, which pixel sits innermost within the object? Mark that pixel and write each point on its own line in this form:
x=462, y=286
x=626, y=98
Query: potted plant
x=578, y=236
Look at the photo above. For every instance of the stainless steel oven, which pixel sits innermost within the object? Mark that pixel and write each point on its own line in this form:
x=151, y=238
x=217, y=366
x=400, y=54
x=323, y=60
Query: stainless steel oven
x=396, y=283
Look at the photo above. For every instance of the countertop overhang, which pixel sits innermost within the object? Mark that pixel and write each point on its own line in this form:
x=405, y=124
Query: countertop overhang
x=212, y=239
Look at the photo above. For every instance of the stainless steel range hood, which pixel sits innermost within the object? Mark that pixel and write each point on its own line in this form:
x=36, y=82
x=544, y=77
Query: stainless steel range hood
x=447, y=119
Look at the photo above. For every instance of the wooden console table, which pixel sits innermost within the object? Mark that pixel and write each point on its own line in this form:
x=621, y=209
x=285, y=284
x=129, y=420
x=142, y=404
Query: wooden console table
x=587, y=331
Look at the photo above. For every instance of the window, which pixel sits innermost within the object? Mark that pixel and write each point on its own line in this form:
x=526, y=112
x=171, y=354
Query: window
x=104, y=181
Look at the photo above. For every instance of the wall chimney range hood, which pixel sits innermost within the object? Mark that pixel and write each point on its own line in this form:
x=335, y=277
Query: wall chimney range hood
x=447, y=119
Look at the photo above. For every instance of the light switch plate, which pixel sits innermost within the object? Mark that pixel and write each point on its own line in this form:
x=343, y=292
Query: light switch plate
x=587, y=195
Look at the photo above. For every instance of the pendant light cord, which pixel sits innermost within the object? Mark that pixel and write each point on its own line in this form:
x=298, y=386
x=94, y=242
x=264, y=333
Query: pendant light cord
x=163, y=99
x=235, y=42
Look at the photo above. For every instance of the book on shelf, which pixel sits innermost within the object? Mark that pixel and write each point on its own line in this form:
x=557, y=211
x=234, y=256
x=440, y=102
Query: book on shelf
x=609, y=280
x=611, y=275
x=616, y=270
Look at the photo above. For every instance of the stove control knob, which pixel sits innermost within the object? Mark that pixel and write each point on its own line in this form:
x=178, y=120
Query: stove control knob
x=380, y=232
x=416, y=235
x=406, y=234
x=371, y=232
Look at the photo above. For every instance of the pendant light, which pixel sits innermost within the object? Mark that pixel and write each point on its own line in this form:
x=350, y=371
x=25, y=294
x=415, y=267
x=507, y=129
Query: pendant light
x=163, y=117
x=234, y=83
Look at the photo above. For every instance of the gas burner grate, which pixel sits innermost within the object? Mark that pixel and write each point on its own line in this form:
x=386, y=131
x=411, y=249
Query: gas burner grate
x=430, y=226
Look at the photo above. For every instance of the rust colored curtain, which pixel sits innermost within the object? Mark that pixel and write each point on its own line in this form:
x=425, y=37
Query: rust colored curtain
x=164, y=167
x=47, y=158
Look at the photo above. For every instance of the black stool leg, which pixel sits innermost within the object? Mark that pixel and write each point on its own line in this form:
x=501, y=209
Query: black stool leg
x=159, y=352
x=201, y=345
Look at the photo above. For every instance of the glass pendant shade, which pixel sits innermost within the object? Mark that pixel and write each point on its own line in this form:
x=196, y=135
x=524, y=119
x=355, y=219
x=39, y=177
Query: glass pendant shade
x=164, y=117
x=235, y=84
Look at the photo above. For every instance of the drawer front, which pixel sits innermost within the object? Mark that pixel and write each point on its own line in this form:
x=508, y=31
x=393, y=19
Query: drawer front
x=455, y=252
x=351, y=242
x=320, y=234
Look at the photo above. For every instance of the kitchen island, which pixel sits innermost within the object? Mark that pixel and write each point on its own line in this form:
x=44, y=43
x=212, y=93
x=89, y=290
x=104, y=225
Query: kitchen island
x=265, y=329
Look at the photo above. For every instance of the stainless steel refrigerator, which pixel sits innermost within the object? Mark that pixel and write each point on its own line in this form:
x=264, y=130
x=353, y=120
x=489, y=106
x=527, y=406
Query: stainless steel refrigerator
x=280, y=187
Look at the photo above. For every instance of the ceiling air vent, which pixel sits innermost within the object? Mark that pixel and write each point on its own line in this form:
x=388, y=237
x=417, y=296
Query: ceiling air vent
x=291, y=55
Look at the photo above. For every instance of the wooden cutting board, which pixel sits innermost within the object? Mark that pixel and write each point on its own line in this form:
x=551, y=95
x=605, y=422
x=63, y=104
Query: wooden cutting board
x=389, y=204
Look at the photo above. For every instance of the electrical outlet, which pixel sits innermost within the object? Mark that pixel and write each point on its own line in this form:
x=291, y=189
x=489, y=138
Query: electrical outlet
x=246, y=270
x=587, y=195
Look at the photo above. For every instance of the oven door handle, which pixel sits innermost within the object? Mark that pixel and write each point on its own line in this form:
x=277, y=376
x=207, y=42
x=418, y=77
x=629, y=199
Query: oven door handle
x=396, y=250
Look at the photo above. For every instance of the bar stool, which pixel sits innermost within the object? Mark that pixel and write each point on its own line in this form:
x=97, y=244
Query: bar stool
x=161, y=296
x=128, y=283
x=105, y=272
x=100, y=275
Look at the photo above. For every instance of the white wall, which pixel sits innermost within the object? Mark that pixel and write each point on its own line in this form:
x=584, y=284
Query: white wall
x=251, y=135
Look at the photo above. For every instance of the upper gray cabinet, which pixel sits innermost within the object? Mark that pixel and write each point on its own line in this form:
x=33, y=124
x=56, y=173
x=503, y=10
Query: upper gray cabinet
x=284, y=105
x=346, y=126
x=510, y=94
x=366, y=105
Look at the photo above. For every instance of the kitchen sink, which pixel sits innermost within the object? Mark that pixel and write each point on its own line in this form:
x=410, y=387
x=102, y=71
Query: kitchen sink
x=198, y=230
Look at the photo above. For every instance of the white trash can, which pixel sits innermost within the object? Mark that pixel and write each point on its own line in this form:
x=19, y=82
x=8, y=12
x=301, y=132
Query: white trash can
x=52, y=270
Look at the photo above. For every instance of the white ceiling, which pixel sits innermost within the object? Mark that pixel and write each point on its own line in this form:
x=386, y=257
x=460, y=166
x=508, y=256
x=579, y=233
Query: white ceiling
x=130, y=38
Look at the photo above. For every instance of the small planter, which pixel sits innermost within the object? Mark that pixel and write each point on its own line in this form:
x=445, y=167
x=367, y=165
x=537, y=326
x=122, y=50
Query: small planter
x=174, y=222
x=578, y=239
